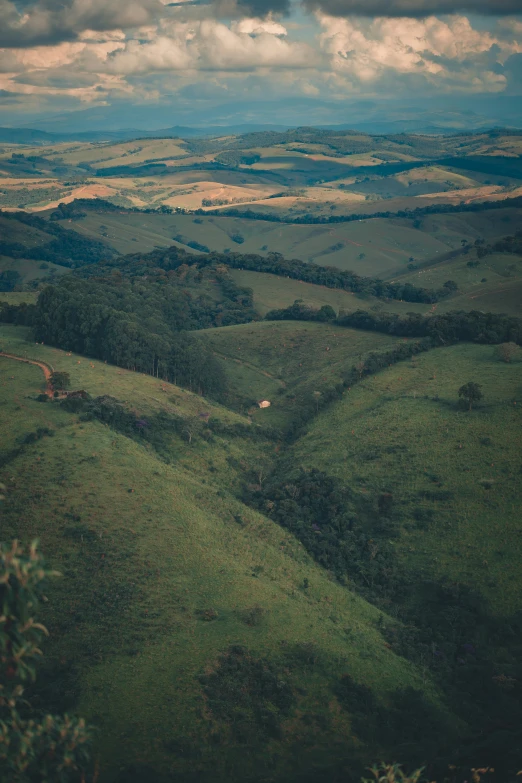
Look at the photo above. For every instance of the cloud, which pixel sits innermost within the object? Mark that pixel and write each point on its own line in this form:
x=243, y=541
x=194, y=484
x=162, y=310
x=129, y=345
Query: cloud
x=513, y=70
x=57, y=78
x=413, y=8
x=211, y=45
x=8, y=97
x=46, y=22
x=444, y=54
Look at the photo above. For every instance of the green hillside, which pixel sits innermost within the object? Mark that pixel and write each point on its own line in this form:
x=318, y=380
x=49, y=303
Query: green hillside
x=272, y=291
x=164, y=570
x=290, y=364
x=453, y=474
x=17, y=297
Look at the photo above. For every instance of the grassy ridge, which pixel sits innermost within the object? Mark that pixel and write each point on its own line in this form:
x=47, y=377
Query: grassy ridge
x=454, y=475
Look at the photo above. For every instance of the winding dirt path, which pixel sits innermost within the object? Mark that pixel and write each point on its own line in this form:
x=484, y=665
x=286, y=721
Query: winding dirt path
x=46, y=369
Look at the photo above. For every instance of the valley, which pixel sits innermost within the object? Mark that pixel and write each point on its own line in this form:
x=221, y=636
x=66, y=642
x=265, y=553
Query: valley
x=278, y=462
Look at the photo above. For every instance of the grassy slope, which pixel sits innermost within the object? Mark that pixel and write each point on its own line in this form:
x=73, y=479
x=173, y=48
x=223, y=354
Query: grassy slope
x=273, y=292
x=401, y=431
x=500, y=292
x=286, y=362
x=377, y=247
x=385, y=245
x=143, y=547
x=14, y=231
x=30, y=270
x=17, y=297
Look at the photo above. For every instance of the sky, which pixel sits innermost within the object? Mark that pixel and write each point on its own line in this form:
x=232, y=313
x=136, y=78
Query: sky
x=152, y=62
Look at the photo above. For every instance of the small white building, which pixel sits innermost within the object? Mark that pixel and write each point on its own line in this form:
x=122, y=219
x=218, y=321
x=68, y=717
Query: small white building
x=264, y=403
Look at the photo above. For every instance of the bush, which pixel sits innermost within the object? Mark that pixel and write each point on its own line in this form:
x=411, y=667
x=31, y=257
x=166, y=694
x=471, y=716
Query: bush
x=32, y=749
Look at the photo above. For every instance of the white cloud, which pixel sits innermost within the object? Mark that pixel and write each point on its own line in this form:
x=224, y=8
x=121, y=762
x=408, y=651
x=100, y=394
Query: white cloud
x=444, y=51
x=212, y=45
x=258, y=27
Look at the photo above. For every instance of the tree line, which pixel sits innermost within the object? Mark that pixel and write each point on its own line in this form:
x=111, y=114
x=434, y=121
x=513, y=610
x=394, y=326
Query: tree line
x=446, y=329
x=412, y=214
x=274, y=263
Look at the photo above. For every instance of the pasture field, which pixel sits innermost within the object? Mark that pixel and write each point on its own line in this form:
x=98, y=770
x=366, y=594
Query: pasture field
x=289, y=363
x=493, y=285
x=162, y=571
x=501, y=293
x=273, y=292
x=453, y=474
x=17, y=297
x=377, y=247
x=30, y=270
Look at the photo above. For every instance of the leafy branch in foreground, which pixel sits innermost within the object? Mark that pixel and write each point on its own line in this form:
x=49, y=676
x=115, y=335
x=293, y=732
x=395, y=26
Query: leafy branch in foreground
x=392, y=773
x=40, y=748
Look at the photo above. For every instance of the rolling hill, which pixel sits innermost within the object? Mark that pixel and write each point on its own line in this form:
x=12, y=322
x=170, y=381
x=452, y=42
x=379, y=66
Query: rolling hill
x=168, y=578
x=285, y=592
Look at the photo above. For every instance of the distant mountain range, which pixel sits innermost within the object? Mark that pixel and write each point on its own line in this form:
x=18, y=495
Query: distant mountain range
x=121, y=122
x=35, y=136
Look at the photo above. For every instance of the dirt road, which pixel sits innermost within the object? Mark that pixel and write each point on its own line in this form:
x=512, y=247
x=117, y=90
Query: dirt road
x=46, y=369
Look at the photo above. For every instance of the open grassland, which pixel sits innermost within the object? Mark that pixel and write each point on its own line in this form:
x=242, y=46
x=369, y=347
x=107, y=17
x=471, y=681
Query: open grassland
x=30, y=270
x=162, y=571
x=17, y=297
x=505, y=296
x=376, y=247
x=454, y=475
x=274, y=292
x=380, y=247
x=488, y=225
x=493, y=285
x=289, y=363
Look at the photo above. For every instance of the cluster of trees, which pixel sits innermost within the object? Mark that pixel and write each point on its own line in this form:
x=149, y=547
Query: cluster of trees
x=79, y=207
x=20, y=315
x=333, y=277
x=274, y=263
x=452, y=327
x=238, y=158
x=473, y=326
x=445, y=628
x=136, y=318
x=131, y=324
x=511, y=244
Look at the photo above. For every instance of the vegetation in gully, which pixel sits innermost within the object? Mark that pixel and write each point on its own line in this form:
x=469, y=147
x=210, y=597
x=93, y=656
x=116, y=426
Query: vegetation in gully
x=282, y=495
